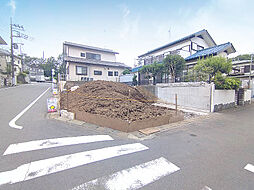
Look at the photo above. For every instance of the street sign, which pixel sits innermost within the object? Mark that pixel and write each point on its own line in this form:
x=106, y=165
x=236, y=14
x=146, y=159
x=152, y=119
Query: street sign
x=53, y=72
x=52, y=104
x=55, y=91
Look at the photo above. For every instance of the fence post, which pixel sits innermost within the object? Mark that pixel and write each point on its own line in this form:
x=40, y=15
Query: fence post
x=67, y=98
x=176, y=102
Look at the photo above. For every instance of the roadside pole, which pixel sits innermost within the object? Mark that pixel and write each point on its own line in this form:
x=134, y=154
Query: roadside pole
x=176, y=102
x=250, y=71
x=12, y=59
x=52, y=75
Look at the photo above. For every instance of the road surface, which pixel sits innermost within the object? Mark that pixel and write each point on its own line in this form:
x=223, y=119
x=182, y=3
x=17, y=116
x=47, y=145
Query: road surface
x=213, y=153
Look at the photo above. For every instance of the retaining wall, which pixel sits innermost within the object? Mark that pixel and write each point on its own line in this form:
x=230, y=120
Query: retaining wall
x=126, y=126
x=197, y=95
x=223, y=99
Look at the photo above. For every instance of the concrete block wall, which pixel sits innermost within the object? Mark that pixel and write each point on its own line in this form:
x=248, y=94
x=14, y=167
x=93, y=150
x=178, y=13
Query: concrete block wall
x=223, y=99
x=247, y=96
x=197, y=95
x=188, y=94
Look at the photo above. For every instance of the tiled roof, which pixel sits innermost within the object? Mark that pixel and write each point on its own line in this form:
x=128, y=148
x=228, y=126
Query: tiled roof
x=211, y=51
x=95, y=62
x=2, y=42
x=7, y=52
x=89, y=47
x=136, y=69
x=180, y=40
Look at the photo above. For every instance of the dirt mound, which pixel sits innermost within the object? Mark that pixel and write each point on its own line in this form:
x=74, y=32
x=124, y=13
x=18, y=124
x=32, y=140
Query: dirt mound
x=111, y=99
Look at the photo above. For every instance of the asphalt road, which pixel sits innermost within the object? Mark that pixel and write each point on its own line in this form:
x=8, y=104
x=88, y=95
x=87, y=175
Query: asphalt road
x=205, y=154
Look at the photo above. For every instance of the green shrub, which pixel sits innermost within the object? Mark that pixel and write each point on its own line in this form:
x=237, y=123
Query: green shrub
x=222, y=82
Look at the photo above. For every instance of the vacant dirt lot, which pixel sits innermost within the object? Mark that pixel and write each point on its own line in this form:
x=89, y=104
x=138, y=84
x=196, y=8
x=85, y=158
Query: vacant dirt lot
x=112, y=99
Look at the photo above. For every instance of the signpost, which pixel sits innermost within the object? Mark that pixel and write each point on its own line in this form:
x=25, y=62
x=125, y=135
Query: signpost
x=52, y=75
x=52, y=104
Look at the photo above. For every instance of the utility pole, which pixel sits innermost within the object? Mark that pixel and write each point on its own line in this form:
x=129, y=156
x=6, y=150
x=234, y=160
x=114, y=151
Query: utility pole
x=250, y=70
x=12, y=59
x=15, y=28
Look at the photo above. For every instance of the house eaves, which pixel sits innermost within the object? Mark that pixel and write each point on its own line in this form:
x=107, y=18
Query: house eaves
x=94, y=62
x=203, y=34
x=227, y=47
x=2, y=42
x=89, y=47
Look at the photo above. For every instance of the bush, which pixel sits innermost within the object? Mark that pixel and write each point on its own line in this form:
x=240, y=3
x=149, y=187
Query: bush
x=26, y=72
x=222, y=82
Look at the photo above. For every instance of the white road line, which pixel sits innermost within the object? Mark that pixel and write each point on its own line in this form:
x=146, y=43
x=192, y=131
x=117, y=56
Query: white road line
x=132, y=178
x=57, y=164
x=12, y=122
x=206, y=188
x=249, y=167
x=50, y=143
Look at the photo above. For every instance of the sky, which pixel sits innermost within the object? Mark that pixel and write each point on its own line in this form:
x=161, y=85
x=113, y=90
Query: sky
x=130, y=27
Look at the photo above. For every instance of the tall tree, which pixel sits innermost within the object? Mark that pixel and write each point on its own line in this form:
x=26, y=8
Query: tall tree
x=174, y=66
x=207, y=68
x=153, y=70
x=50, y=64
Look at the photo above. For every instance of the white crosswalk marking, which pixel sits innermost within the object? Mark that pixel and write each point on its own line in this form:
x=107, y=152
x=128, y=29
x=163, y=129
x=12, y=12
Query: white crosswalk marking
x=206, y=188
x=132, y=178
x=57, y=164
x=57, y=142
x=249, y=167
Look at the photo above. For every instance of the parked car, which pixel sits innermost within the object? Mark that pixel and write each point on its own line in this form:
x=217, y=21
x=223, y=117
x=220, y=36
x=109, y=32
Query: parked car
x=40, y=78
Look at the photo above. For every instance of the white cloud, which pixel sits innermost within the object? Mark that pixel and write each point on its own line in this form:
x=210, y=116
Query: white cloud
x=227, y=21
x=130, y=24
x=12, y=4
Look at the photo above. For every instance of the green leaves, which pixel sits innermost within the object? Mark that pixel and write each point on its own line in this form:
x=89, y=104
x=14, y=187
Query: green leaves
x=212, y=65
x=223, y=82
x=172, y=65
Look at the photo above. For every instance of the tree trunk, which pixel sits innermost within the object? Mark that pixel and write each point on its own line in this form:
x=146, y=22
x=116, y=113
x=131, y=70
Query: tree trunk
x=154, y=80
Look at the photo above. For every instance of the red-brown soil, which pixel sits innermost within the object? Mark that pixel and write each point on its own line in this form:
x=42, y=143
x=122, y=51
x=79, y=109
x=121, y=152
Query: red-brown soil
x=113, y=100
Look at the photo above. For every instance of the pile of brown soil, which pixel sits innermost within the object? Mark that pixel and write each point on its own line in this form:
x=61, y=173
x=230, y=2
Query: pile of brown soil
x=112, y=99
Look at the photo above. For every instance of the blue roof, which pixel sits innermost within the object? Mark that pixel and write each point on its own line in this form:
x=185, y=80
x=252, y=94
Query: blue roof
x=210, y=51
x=180, y=40
x=136, y=69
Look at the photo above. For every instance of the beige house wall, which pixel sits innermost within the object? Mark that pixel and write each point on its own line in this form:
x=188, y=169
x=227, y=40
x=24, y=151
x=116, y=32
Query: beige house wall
x=90, y=72
x=75, y=52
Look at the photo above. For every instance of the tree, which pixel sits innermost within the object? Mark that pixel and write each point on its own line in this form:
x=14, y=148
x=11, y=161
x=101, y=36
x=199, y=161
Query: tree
x=61, y=65
x=174, y=65
x=50, y=64
x=207, y=68
x=243, y=57
x=228, y=83
x=152, y=70
x=126, y=71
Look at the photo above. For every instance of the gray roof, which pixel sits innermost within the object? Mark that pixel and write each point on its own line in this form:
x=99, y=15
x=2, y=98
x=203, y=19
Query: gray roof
x=89, y=47
x=199, y=33
x=8, y=53
x=212, y=51
x=2, y=42
x=95, y=62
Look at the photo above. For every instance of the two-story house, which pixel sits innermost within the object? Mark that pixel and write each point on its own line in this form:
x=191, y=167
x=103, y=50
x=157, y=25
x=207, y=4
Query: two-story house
x=87, y=63
x=5, y=67
x=191, y=48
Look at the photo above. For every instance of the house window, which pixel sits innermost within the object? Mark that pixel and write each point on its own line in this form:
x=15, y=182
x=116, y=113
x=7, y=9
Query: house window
x=81, y=70
x=97, y=72
x=110, y=73
x=116, y=73
x=82, y=54
x=93, y=56
x=200, y=47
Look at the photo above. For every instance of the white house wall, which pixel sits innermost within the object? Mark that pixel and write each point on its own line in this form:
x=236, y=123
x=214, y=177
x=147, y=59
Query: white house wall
x=185, y=44
x=75, y=52
x=90, y=72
